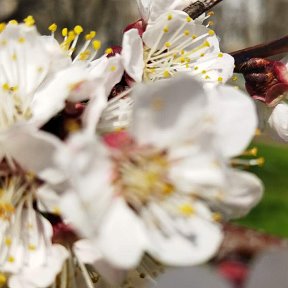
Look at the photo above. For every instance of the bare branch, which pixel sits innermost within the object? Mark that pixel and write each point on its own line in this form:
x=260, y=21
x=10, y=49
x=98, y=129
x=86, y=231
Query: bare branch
x=199, y=7
x=273, y=48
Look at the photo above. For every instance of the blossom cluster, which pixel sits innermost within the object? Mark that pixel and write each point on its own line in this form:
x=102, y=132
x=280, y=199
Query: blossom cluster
x=115, y=167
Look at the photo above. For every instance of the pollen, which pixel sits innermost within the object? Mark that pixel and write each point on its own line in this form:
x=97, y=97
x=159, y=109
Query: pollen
x=210, y=23
x=194, y=36
x=235, y=78
x=52, y=27
x=186, y=209
x=3, y=279
x=11, y=259
x=2, y=27
x=217, y=217
x=186, y=32
x=113, y=68
x=188, y=19
x=169, y=17
x=21, y=40
x=31, y=247
x=166, y=74
x=109, y=51
x=13, y=22
x=64, y=32
x=196, y=68
x=202, y=54
x=6, y=87
x=211, y=13
x=261, y=161
x=220, y=79
x=29, y=21
x=90, y=35
x=8, y=241
x=56, y=210
x=78, y=29
x=204, y=72
x=166, y=29
x=168, y=44
x=96, y=44
x=84, y=55
x=220, y=55
x=211, y=32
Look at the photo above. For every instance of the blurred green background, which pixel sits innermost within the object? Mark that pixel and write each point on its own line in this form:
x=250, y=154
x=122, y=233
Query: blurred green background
x=271, y=215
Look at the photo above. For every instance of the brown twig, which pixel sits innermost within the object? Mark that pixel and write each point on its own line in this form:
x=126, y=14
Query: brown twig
x=273, y=48
x=199, y=7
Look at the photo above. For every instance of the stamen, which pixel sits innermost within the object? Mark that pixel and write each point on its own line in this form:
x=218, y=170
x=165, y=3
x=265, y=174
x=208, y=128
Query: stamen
x=29, y=21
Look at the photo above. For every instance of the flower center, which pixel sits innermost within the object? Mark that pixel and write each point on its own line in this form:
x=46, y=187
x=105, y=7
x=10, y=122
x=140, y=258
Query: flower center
x=142, y=177
x=186, y=49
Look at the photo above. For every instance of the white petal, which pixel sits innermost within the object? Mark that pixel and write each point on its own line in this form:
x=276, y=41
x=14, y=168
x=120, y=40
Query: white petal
x=235, y=119
x=168, y=111
x=278, y=121
x=201, y=241
x=50, y=99
x=34, y=150
x=132, y=54
x=42, y=276
x=121, y=237
x=244, y=191
x=144, y=8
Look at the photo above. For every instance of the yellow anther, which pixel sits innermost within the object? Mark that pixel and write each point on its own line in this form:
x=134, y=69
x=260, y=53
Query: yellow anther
x=96, y=44
x=71, y=125
x=167, y=44
x=186, y=209
x=234, y=78
x=202, y=54
x=186, y=32
x=258, y=132
x=11, y=259
x=251, y=152
x=14, y=57
x=196, y=68
x=207, y=77
x=21, y=40
x=166, y=74
x=29, y=20
x=113, y=68
x=169, y=17
x=3, y=279
x=261, y=161
x=109, y=51
x=220, y=55
x=78, y=29
x=31, y=247
x=90, y=35
x=182, y=52
x=157, y=104
x=220, y=79
x=194, y=36
x=84, y=55
x=64, y=32
x=6, y=87
x=182, y=59
x=2, y=26
x=204, y=72
x=217, y=217
x=206, y=44
x=8, y=241
x=13, y=22
x=211, y=13
x=53, y=27
x=211, y=32
x=188, y=19
x=210, y=23
x=166, y=29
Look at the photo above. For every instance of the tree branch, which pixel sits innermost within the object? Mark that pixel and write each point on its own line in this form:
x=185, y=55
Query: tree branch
x=273, y=48
x=199, y=7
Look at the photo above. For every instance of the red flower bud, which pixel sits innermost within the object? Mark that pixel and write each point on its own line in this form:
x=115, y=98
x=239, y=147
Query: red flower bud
x=266, y=80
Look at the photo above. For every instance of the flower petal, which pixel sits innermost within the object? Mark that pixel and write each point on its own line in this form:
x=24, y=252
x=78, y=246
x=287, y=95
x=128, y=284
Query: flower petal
x=121, y=236
x=132, y=54
x=234, y=119
x=168, y=111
